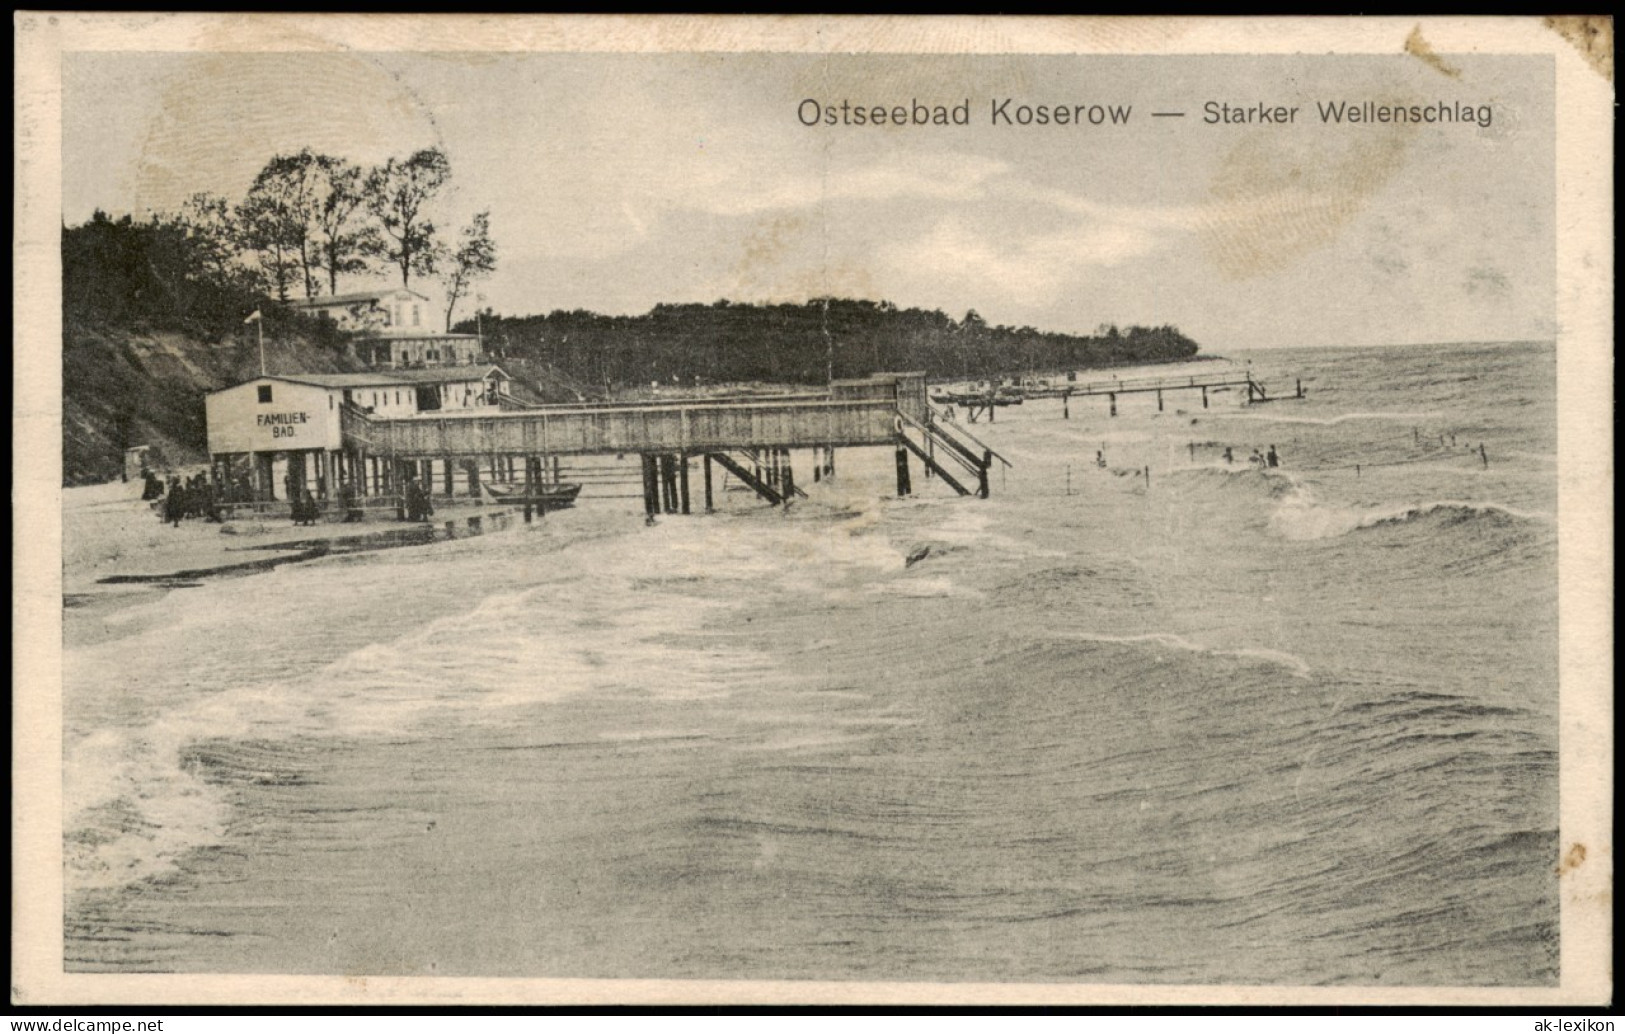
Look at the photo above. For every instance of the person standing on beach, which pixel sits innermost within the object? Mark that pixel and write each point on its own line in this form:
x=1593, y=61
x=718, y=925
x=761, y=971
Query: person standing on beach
x=1229, y=456
x=174, y=505
x=1274, y=460
x=207, y=502
x=352, y=504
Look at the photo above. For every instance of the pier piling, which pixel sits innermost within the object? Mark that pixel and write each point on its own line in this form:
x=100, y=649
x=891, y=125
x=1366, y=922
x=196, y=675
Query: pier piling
x=903, y=487
x=651, y=497
x=682, y=475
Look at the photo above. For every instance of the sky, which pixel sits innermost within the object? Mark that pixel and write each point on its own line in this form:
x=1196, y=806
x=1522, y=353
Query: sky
x=619, y=181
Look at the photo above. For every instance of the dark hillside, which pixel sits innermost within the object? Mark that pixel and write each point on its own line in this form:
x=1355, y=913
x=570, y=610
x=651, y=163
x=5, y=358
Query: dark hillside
x=148, y=327
x=807, y=343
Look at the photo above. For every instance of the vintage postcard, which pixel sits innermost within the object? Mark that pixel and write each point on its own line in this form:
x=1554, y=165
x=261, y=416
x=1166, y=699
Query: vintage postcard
x=795, y=510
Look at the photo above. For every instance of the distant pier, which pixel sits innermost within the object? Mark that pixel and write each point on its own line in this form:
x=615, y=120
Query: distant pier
x=980, y=403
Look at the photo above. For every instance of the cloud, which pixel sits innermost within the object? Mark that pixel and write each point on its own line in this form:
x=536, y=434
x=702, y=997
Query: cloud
x=742, y=191
x=1033, y=267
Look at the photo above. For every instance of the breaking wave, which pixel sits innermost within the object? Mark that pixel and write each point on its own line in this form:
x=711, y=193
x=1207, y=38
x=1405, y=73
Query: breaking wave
x=1300, y=518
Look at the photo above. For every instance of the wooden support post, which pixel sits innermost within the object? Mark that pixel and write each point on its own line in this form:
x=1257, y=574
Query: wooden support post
x=930, y=451
x=651, y=492
x=530, y=487
x=474, y=478
x=1112, y=398
x=1066, y=406
x=789, y=479
x=903, y=487
x=556, y=468
x=829, y=468
x=1204, y=398
x=668, y=479
x=682, y=481
x=1300, y=387
x=1159, y=400
x=709, y=508
x=985, y=466
x=451, y=470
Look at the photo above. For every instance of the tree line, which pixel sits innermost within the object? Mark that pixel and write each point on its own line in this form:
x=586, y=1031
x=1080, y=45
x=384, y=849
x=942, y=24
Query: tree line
x=310, y=219
x=806, y=343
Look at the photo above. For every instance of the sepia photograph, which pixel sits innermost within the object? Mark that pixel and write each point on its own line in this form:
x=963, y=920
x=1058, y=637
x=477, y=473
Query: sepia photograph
x=1059, y=507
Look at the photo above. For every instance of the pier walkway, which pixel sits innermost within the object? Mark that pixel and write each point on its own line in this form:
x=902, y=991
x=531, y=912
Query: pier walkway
x=751, y=438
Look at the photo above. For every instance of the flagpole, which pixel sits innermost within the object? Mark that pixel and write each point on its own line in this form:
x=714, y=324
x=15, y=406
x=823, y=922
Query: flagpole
x=259, y=325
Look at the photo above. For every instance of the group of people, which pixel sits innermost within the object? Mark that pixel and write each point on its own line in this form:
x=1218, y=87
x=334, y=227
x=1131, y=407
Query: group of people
x=194, y=497
x=1261, y=460
x=306, y=510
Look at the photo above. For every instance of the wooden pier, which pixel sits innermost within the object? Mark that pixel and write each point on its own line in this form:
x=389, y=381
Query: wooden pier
x=987, y=403
x=750, y=438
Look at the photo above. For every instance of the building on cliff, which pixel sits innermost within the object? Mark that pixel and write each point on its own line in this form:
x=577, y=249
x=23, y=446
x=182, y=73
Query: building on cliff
x=394, y=328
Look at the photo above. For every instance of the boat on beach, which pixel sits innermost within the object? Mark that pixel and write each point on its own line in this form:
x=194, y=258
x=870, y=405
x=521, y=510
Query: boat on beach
x=550, y=496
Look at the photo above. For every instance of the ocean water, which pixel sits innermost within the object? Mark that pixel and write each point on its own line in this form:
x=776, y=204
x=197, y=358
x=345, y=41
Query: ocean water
x=1171, y=721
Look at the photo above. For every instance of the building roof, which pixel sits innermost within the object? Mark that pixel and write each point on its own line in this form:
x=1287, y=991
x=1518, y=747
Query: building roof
x=443, y=374
x=352, y=298
x=383, y=378
x=335, y=380
x=400, y=334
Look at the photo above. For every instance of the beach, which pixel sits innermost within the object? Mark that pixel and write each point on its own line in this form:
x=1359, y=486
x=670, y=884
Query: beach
x=1167, y=720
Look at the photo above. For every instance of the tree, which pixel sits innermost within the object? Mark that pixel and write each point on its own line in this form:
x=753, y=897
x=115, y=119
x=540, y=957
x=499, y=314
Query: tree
x=346, y=239
x=208, y=223
x=397, y=194
x=283, y=205
x=474, y=259
x=263, y=228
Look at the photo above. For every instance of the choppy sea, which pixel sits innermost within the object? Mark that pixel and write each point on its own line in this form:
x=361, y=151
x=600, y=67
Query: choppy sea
x=1172, y=720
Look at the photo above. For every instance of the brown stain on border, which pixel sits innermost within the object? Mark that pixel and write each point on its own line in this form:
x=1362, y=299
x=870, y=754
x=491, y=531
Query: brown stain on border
x=1591, y=34
x=1572, y=859
x=1418, y=47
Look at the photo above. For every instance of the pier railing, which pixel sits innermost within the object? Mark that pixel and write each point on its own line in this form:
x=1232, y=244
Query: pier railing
x=646, y=429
